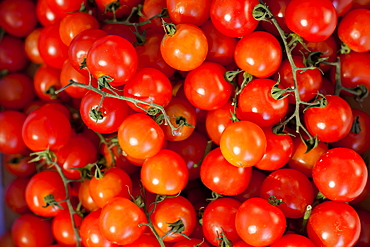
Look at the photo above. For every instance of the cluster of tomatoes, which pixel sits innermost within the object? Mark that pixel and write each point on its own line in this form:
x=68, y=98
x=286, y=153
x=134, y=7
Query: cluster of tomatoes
x=186, y=123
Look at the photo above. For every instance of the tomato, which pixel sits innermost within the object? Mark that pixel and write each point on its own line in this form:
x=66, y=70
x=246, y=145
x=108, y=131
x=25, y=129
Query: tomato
x=145, y=240
x=217, y=120
x=351, y=33
x=62, y=227
x=155, y=174
x=137, y=143
x=151, y=8
x=149, y=85
x=40, y=185
x=11, y=140
x=186, y=48
x=340, y=174
x=257, y=104
x=121, y=228
x=63, y=7
x=364, y=239
x=112, y=56
x=13, y=56
x=114, y=183
x=336, y=113
x=277, y=8
x=46, y=129
x=220, y=176
x=259, y=223
x=90, y=232
x=219, y=218
x=51, y=47
x=85, y=197
x=220, y=47
x=68, y=73
x=342, y=6
x=29, y=230
x=31, y=46
x=243, y=143
x=279, y=150
x=18, y=165
x=293, y=240
x=103, y=116
x=233, y=18
x=18, y=17
x=188, y=11
x=254, y=186
x=171, y=210
x=206, y=88
x=6, y=239
x=258, y=53
x=74, y=23
x=45, y=15
x=125, y=31
x=333, y=223
x=313, y=20
x=123, y=9
x=15, y=196
x=191, y=242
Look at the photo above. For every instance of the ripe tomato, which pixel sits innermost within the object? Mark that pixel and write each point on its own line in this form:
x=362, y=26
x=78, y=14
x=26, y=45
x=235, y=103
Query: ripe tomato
x=145, y=240
x=156, y=177
x=42, y=184
x=15, y=196
x=188, y=11
x=364, y=239
x=112, y=56
x=259, y=223
x=123, y=9
x=29, y=230
x=68, y=73
x=243, y=143
x=233, y=18
x=334, y=223
x=31, y=46
x=63, y=7
x=352, y=34
x=337, y=114
x=62, y=227
x=217, y=121
x=186, y=48
x=171, y=210
x=220, y=176
x=85, y=197
x=151, y=8
x=277, y=8
x=46, y=81
x=191, y=242
x=340, y=174
x=45, y=15
x=11, y=140
x=118, y=227
x=258, y=53
x=293, y=240
x=18, y=165
x=254, y=186
x=342, y=6
x=13, y=56
x=313, y=20
x=140, y=137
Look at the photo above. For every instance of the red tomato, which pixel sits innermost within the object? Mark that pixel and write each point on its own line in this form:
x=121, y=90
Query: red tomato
x=11, y=140
x=45, y=15
x=206, y=88
x=342, y=6
x=123, y=9
x=188, y=11
x=114, y=183
x=112, y=56
x=151, y=8
x=352, y=34
x=29, y=230
x=13, y=56
x=254, y=186
x=259, y=223
x=46, y=81
x=186, y=48
x=258, y=53
x=63, y=7
x=243, y=143
x=85, y=197
x=293, y=240
x=337, y=114
x=171, y=210
x=19, y=165
x=145, y=240
x=31, y=46
x=364, y=239
x=233, y=18
x=68, y=73
x=140, y=137
x=313, y=20
x=156, y=178
x=62, y=227
x=42, y=184
x=220, y=176
x=340, y=174
x=191, y=242
x=118, y=227
x=277, y=8
x=334, y=223
x=15, y=196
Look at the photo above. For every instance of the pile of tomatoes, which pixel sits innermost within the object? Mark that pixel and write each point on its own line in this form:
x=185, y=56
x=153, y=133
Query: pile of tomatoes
x=186, y=123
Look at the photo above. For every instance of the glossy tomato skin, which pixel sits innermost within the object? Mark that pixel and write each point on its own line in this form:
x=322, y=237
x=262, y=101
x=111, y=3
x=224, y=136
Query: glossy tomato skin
x=354, y=35
x=150, y=9
x=243, y=143
x=313, y=20
x=15, y=196
x=257, y=104
x=342, y=6
x=290, y=240
x=45, y=15
x=219, y=218
x=145, y=240
x=112, y=56
x=191, y=242
x=85, y=197
x=187, y=11
x=121, y=228
x=233, y=18
x=206, y=88
x=18, y=165
x=157, y=177
x=254, y=186
x=63, y=231
x=277, y=8
x=140, y=136
x=259, y=53
x=259, y=223
x=46, y=81
x=42, y=184
x=13, y=56
x=11, y=140
x=340, y=174
x=29, y=230
x=170, y=210
x=110, y=114
x=69, y=73
x=293, y=187
x=337, y=114
x=217, y=120
x=334, y=223
x=63, y=7
x=222, y=177
x=186, y=49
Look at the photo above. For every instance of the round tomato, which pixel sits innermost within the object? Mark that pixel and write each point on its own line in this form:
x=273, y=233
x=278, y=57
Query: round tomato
x=293, y=240
x=15, y=196
x=62, y=227
x=188, y=11
x=13, y=56
x=11, y=140
x=85, y=197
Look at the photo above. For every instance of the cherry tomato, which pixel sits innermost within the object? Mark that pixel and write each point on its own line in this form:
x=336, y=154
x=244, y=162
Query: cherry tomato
x=46, y=81
x=15, y=196
x=31, y=46
x=13, y=56
x=11, y=140
x=277, y=8
x=151, y=8
x=62, y=227
x=293, y=240
x=121, y=7
x=68, y=73
x=217, y=120
x=342, y=6
x=254, y=186
x=188, y=11
x=45, y=15
x=364, y=239
x=191, y=242
x=85, y=197
x=63, y=7
x=19, y=165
